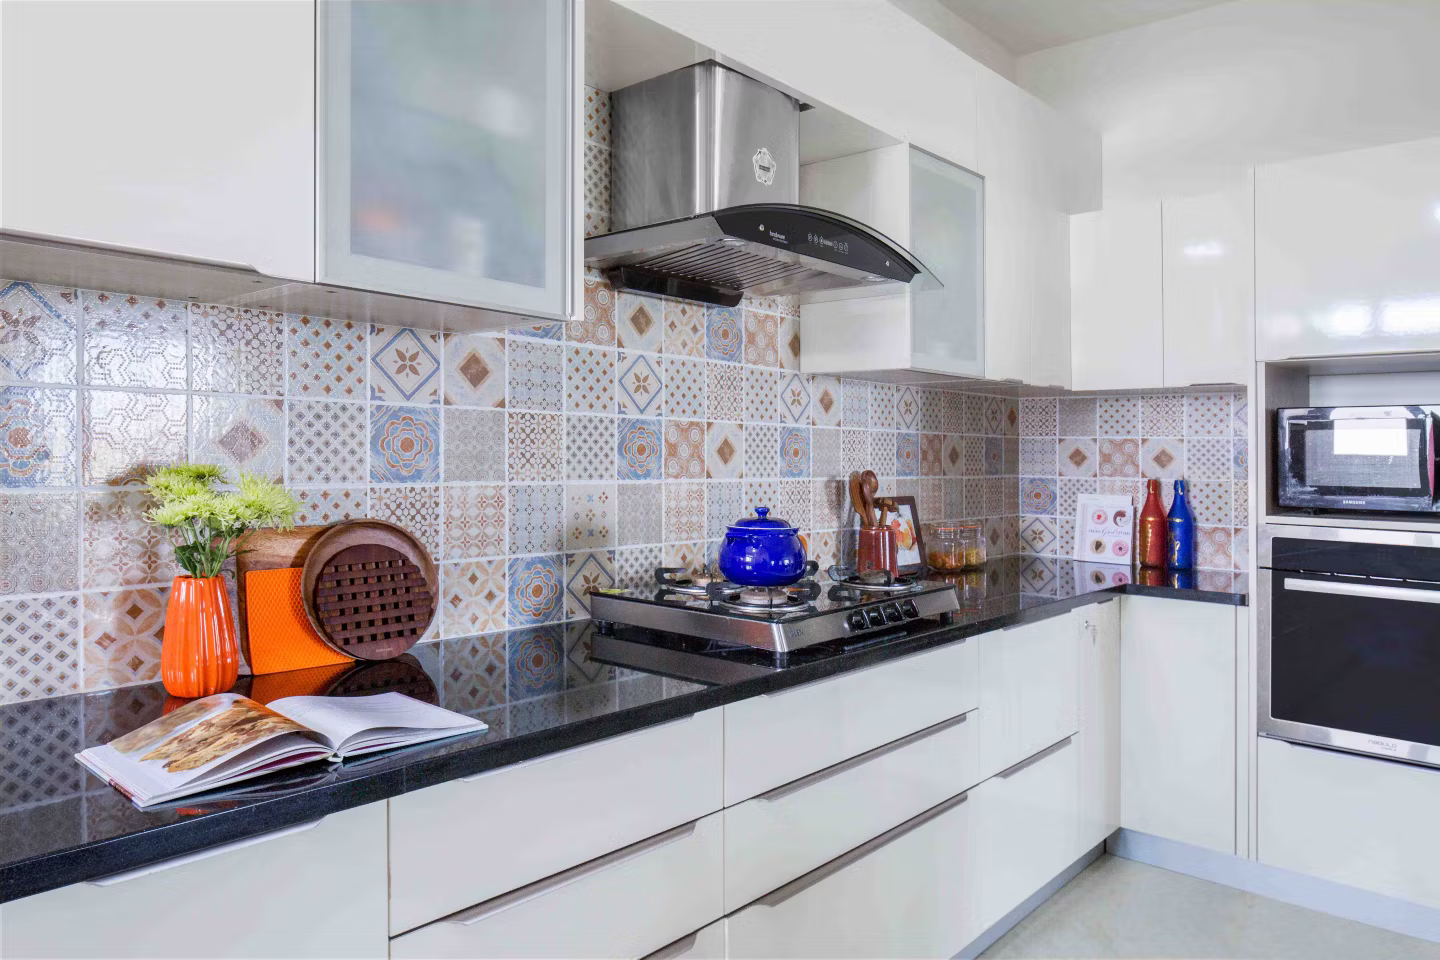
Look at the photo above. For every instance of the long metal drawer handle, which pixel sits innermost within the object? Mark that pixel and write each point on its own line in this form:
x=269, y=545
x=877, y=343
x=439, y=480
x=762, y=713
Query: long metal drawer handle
x=844, y=766
x=540, y=888
x=1363, y=590
x=1032, y=760
x=199, y=855
x=801, y=884
x=630, y=735
x=811, y=685
x=677, y=949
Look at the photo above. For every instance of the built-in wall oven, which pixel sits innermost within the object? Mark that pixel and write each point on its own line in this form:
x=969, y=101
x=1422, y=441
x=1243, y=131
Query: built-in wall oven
x=1349, y=628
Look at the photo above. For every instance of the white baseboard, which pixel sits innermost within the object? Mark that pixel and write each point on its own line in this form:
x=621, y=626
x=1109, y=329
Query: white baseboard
x=1003, y=926
x=1326, y=896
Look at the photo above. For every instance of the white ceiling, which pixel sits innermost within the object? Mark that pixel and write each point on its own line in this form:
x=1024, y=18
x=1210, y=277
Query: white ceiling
x=1025, y=26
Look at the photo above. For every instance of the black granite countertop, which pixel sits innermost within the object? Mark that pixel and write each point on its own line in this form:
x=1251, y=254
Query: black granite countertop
x=541, y=690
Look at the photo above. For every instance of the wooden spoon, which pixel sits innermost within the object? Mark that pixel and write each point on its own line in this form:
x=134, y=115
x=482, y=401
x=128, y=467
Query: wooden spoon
x=857, y=499
x=869, y=486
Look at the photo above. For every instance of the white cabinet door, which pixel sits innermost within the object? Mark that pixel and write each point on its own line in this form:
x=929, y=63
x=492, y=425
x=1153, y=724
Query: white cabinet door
x=1098, y=742
x=446, y=151
x=1177, y=709
x=1360, y=821
x=1027, y=690
x=1005, y=145
x=1345, y=253
x=947, y=220
x=707, y=943
x=317, y=890
x=1025, y=828
x=1116, y=309
x=181, y=129
x=1209, y=286
x=907, y=893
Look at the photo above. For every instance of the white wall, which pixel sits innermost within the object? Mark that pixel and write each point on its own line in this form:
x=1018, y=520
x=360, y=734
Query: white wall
x=961, y=33
x=1185, y=105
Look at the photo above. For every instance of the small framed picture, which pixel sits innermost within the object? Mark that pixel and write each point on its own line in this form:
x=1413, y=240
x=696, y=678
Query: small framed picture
x=909, y=548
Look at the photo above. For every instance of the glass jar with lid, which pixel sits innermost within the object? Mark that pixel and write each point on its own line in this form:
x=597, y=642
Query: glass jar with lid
x=950, y=545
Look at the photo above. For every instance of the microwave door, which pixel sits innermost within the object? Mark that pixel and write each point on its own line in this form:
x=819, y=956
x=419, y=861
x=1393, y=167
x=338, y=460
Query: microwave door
x=1361, y=463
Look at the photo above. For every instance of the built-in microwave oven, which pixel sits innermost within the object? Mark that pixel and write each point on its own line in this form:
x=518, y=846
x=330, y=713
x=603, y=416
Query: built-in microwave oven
x=1356, y=459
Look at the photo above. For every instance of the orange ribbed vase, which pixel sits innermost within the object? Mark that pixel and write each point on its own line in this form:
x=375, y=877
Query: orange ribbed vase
x=199, y=655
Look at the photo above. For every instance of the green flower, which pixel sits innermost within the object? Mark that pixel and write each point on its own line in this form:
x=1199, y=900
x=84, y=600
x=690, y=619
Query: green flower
x=205, y=524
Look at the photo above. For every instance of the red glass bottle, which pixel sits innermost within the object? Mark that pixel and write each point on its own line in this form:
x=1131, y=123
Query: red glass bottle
x=1150, y=548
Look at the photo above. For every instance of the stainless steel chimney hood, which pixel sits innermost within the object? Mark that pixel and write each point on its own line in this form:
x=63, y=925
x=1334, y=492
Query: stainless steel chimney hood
x=705, y=183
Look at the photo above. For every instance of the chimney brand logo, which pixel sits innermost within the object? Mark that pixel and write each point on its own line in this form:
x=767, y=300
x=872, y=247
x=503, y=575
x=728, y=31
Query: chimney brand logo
x=764, y=164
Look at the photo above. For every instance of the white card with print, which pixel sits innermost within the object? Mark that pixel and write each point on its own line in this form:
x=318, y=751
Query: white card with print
x=1104, y=529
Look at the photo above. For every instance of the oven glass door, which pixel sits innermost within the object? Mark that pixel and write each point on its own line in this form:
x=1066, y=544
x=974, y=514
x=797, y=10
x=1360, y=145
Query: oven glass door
x=1359, y=655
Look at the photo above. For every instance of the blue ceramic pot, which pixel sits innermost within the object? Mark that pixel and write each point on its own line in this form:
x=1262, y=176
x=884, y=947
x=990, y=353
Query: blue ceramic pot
x=761, y=552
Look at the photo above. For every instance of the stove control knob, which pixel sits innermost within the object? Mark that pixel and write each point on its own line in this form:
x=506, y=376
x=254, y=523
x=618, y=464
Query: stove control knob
x=893, y=614
x=856, y=621
x=909, y=608
x=876, y=618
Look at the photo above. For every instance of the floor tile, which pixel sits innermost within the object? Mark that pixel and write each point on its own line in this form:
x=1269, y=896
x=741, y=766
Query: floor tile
x=474, y=370
x=405, y=365
x=327, y=358
x=405, y=443
x=39, y=647
x=38, y=429
x=40, y=332
x=127, y=435
x=237, y=349
x=132, y=341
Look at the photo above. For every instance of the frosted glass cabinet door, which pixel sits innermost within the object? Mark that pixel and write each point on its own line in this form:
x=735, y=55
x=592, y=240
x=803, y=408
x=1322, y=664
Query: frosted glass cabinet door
x=946, y=214
x=445, y=151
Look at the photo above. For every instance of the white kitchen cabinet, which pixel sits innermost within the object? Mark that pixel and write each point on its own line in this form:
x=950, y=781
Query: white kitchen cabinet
x=635, y=786
x=1028, y=690
x=178, y=129
x=1360, y=821
x=1345, y=253
x=1177, y=709
x=906, y=893
x=1098, y=741
x=1117, y=328
x=707, y=943
x=314, y=890
x=775, y=739
x=1026, y=828
x=935, y=210
x=1209, y=288
x=626, y=904
x=446, y=151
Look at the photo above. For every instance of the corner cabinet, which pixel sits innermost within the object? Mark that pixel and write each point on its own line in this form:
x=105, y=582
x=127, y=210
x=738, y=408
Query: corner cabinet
x=446, y=152
x=936, y=211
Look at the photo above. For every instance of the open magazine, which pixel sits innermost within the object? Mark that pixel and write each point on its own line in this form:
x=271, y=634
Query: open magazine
x=220, y=740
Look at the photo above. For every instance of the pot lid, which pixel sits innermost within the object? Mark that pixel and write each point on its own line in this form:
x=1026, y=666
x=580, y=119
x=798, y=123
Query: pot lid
x=762, y=523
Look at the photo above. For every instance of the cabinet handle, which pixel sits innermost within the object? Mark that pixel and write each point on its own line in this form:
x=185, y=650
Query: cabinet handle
x=677, y=949
x=1031, y=761
x=199, y=855
x=820, y=776
x=540, y=888
x=573, y=750
x=801, y=884
x=1372, y=590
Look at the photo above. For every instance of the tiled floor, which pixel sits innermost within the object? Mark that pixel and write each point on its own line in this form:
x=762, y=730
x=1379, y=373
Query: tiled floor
x=1123, y=909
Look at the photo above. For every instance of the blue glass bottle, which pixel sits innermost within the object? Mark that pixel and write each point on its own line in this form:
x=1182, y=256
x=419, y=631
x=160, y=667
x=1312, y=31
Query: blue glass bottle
x=1180, y=532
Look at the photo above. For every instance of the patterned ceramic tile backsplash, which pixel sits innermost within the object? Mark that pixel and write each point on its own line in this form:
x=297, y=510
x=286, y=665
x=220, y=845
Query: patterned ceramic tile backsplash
x=1112, y=444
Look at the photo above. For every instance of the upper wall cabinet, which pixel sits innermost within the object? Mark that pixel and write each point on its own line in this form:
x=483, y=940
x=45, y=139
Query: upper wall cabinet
x=1208, y=285
x=445, y=151
x=1118, y=335
x=934, y=209
x=178, y=129
x=1346, y=253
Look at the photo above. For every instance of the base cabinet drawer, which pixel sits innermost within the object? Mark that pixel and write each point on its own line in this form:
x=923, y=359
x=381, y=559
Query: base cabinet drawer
x=1360, y=821
x=315, y=890
x=904, y=894
x=1028, y=695
x=460, y=843
x=627, y=904
x=785, y=833
x=707, y=943
x=774, y=739
x=1027, y=821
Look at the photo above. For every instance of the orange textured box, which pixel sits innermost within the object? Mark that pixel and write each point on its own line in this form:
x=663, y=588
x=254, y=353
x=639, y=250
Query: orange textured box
x=281, y=637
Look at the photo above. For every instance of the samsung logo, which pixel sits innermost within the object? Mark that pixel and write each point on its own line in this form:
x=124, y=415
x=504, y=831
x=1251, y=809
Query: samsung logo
x=1354, y=503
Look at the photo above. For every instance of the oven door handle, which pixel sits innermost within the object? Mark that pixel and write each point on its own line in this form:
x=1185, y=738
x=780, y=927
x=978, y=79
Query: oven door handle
x=1371, y=590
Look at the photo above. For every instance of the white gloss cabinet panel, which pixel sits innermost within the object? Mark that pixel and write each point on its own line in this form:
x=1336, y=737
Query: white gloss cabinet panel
x=707, y=943
x=1098, y=742
x=1345, y=253
x=907, y=893
x=1028, y=690
x=446, y=164
x=1117, y=334
x=195, y=126
x=628, y=904
x=778, y=836
x=312, y=891
x=1359, y=821
x=777, y=738
x=1177, y=704
x=1209, y=288
x=634, y=786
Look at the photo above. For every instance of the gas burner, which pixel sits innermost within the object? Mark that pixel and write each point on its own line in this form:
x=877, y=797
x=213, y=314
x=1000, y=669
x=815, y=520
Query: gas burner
x=861, y=584
x=679, y=580
x=796, y=597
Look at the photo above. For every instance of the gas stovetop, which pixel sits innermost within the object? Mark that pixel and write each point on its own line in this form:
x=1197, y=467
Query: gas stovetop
x=777, y=620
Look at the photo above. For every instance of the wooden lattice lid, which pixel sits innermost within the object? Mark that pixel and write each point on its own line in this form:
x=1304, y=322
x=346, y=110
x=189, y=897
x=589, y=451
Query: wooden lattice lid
x=370, y=589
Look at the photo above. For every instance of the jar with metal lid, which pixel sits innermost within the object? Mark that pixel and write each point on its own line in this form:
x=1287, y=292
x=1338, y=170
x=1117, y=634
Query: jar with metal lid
x=954, y=546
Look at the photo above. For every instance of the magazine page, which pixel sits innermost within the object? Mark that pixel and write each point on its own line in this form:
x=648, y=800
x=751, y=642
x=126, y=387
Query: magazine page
x=365, y=724
x=205, y=743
